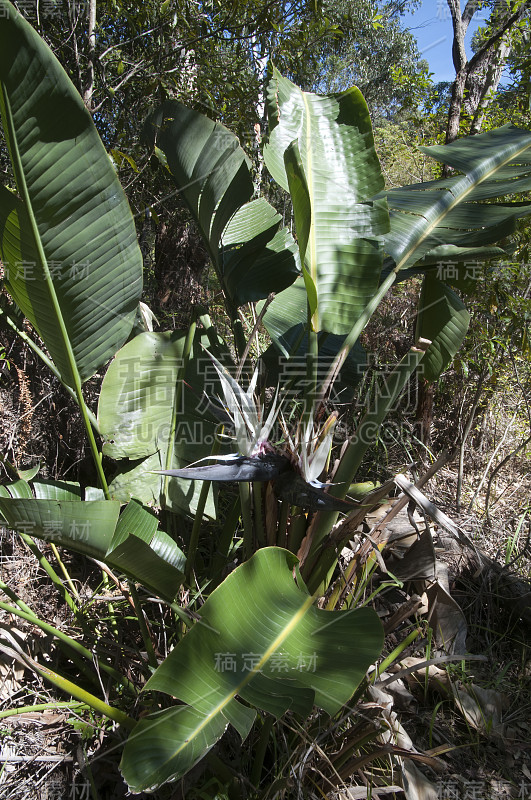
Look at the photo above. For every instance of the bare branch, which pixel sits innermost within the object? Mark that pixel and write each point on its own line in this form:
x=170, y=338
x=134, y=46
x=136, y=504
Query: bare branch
x=89, y=89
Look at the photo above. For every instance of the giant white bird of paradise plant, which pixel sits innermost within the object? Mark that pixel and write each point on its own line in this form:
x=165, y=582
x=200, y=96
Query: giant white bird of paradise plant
x=295, y=466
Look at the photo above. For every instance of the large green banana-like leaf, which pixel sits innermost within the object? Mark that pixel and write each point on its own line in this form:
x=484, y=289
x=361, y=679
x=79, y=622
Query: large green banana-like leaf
x=286, y=315
x=446, y=221
x=56, y=513
x=443, y=320
x=450, y=260
x=262, y=640
x=67, y=238
x=438, y=223
x=334, y=172
x=285, y=360
x=149, y=555
x=441, y=223
x=252, y=254
x=130, y=543
x=151, y=416
x=301, y=200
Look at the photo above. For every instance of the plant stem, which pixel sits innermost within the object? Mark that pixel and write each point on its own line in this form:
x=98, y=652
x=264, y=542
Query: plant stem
x=49, y=363
x=348, y=577
x=196, y=530
x=14, y=597
x=177, y=404
x=52, y=574
x=310, y=391
x=392, y=657
x=224, y=543
x=240, y=339
x=72, y=643
x=13, y=712
x=198, y=518
x=64, y=570
x=258, y=514
x=260, y=751
x=80, y=694
x=181, y=613
x=297, y=529
x=245, y=497
x=150, y=650
x=283, y=523
x=96, y=455
x=63, y=638
x=86, y=771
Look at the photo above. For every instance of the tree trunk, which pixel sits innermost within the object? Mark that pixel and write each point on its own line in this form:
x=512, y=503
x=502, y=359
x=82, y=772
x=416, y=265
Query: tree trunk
x=483, y=91
x=477, y=80
x=456, y=105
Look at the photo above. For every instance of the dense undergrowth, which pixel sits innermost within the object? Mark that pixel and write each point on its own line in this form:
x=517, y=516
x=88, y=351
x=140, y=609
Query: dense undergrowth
x=488, y=754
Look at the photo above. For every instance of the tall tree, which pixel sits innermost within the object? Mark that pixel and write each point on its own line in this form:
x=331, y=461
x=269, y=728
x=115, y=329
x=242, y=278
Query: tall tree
x=371, y=50
x=477, y=79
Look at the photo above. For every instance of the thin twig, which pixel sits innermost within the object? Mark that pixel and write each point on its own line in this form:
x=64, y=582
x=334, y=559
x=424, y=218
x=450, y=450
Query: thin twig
x=491, y=459
x=464, y=437
x=254, y=332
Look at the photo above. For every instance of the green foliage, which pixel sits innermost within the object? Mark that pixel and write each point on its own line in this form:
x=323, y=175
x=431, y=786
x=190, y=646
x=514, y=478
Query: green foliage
x=131, y=543
x=341, y=174
x=443, y=320
x=354, y=241
x=277, y=652
x=373, y=52
x=68, y=246
x=251, y=255
x=149, y=423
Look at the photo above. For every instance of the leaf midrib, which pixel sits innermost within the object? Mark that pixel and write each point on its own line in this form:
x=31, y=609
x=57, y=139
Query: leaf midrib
x=20, y=178
x=273, y=647
x=310, y=183
x=461, y=197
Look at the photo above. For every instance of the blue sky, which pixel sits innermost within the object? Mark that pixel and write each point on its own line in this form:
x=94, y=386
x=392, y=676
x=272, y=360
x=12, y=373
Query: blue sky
x=431, y=25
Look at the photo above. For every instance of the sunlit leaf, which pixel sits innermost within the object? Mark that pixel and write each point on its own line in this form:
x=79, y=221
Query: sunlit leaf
x=67, y=239
x=260, y=640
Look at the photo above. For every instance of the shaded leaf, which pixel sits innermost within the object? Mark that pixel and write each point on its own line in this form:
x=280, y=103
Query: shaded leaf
x=443, y=320
x=130, y=542
x=252, y=254
x=291, y=487
x=150, y=414
x=285, y=320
